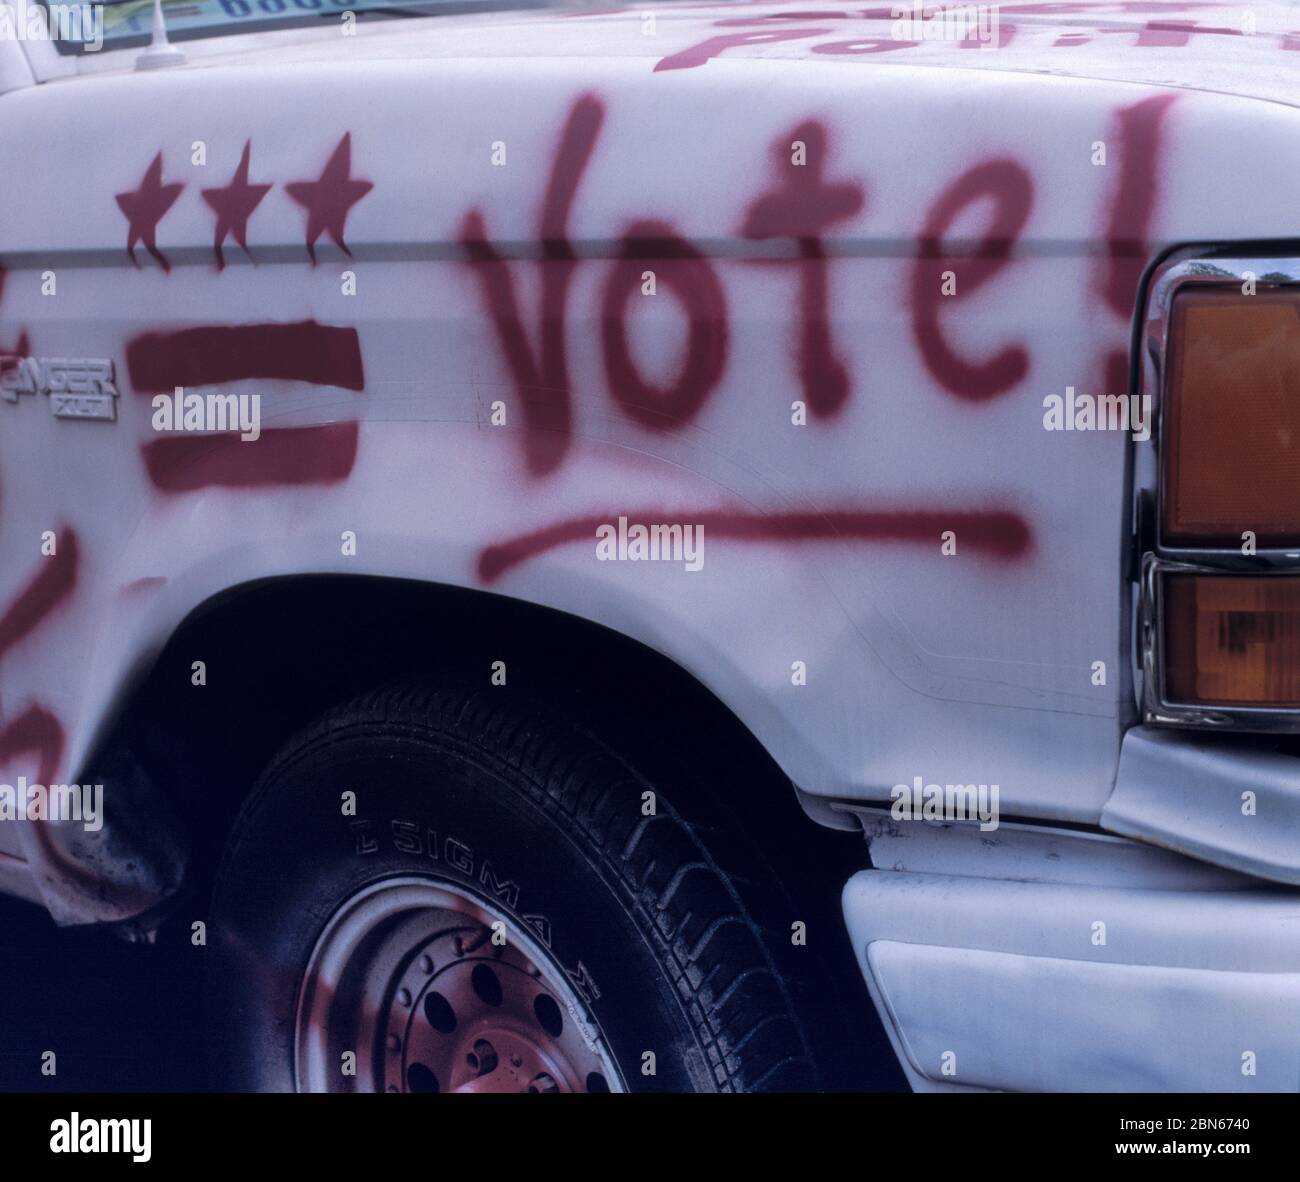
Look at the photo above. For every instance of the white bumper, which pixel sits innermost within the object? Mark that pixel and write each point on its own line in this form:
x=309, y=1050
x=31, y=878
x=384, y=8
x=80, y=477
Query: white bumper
x=992, y=984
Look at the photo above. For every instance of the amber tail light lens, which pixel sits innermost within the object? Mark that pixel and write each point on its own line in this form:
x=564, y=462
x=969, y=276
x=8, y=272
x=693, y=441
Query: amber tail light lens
x=1232, y=418
x=1232, y=640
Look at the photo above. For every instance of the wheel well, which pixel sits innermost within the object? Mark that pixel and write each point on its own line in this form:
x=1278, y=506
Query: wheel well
x=279, y=653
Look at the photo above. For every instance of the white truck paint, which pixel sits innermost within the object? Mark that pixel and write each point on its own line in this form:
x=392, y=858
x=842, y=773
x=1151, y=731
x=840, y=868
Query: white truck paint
x=1044, y=171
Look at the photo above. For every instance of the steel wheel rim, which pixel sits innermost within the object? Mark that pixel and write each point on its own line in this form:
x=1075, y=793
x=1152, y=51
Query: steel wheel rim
x=407, y=978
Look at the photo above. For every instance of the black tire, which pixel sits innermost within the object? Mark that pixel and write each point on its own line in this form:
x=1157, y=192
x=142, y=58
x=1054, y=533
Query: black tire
x=636, y=909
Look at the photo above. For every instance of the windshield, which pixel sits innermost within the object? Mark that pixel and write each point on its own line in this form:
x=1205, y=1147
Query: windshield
x=127, y=23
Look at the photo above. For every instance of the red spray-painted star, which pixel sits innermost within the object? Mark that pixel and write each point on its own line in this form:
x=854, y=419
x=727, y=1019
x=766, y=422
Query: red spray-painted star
x=328, y=200
x=233, y=206
x=145, y=208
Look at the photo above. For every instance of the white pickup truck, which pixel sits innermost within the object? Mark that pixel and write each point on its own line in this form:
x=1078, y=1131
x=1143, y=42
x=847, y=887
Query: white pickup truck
x=466, y=473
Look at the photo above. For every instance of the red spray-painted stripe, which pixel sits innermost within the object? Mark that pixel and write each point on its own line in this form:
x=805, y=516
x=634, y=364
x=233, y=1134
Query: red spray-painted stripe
x=283, y=456
x=997, y=533
x=52, y=583
x=306, y=351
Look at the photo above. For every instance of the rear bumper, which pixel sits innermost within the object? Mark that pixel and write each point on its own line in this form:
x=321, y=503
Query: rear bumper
x=1006, y=985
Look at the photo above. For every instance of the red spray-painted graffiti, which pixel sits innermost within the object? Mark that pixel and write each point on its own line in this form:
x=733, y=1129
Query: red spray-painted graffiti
x=328, y=199
x=706, y=51
x=234, y=205
x=995, y=532
x=690, y=277
x=305, y=351
x=36, y=730
x=1009, y=186
x=803, y=206
x=323, y=355
x=1140, y=129
x=54, y=581
x=542, y=380
x=144, y=209
x=284, y=456
x=1140, y=132
x=1152, y=34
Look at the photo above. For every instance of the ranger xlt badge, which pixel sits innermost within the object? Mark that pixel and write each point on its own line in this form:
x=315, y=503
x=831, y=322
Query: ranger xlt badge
x=79, y=387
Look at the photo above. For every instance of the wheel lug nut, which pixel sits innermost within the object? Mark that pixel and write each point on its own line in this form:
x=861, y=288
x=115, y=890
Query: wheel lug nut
x=543, y=1083
x=404, y=997
x=426, y=964
x=483, y=1058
